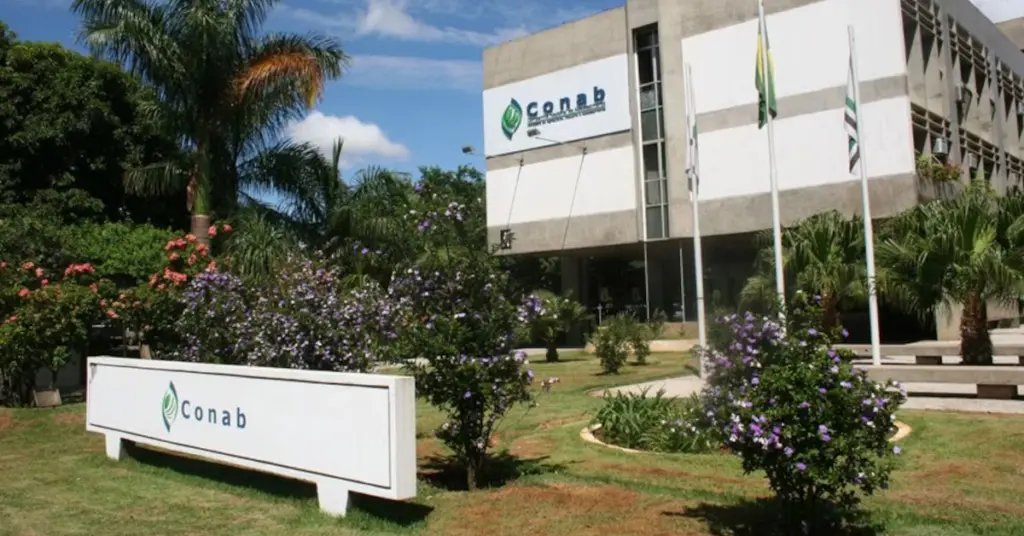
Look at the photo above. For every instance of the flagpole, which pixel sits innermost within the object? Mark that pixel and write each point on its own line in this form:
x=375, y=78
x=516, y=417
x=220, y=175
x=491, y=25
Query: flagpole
x=698, y=256
x=780, y=283
x=869, y=234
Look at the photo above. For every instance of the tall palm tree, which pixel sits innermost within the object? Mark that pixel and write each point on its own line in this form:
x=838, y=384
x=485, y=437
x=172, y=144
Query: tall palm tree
x=822, y=255
x=968, y=250
x=225, y=89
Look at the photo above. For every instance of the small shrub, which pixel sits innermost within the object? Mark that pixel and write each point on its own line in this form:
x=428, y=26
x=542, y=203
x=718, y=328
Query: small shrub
x=794, y=408
x=560, y=315
x=611, y=343
x=655, y=423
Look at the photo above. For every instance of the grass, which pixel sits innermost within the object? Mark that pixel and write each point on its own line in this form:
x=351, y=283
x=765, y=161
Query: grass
x=961, y=474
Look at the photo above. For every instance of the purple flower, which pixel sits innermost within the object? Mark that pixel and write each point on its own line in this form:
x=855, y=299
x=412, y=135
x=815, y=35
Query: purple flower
x=800, y=466
x=896, y=450
x=788, y=451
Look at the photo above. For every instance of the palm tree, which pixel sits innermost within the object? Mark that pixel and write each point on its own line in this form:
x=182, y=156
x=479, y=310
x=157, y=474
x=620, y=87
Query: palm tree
x=330, y=212
x=968, y=250
x=822, y=255
x=225, y=89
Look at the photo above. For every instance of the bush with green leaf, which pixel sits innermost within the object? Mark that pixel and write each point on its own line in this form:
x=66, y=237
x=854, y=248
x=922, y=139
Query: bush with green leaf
x=655, y=423
x=791, y=406
x=560, y=315
x=463, y=316
x=611, y=342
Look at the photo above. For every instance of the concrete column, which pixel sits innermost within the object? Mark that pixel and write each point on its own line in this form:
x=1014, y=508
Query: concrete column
x=656, y=283
x=571, y=280
x=574, y=284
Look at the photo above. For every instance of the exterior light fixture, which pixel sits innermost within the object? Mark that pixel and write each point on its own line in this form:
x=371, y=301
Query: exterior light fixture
x=505, y=239
x=940, y=147
x=468, y=149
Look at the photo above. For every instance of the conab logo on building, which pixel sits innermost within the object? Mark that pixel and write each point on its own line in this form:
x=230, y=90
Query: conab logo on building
x=543, y=113
x=172, y=406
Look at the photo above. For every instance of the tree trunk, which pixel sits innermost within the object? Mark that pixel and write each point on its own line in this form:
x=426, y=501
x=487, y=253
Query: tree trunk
x=472, y=473
x=975, y=342
x=830, y=312
x=199, y=197
x=552, y=353
x=201, y=228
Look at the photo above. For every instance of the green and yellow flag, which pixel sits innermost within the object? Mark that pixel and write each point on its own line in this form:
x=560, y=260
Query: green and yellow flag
x=765, y=84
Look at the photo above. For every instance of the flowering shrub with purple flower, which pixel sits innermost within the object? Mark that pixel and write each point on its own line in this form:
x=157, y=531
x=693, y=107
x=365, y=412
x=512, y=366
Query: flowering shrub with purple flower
x=791, y=405
x=462, y=319
x=306, y=318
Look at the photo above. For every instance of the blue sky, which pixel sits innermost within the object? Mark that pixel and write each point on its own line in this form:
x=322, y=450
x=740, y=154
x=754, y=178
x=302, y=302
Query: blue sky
x=412, y=94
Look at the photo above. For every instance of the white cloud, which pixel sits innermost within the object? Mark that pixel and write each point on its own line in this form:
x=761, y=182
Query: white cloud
x=362, y=140
x=396, y=20
x=407, y=72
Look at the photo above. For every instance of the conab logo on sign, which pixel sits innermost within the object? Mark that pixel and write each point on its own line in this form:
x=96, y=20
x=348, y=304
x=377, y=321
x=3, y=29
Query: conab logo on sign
x=538, y=113
x=172, y=406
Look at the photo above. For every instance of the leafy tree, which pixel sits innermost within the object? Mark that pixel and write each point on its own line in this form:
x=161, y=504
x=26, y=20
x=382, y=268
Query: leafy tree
x=125, y=253
x=72, y=127
x=967, y=250
x=226, y=90
x=331, y=213
x=823, y=255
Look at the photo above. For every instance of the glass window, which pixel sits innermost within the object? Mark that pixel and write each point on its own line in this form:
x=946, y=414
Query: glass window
x=653, y=194
x=649, y=125
x=655, y=223
x=647, y=36
x=650, y=156
x=649, y=97
x=645, y=66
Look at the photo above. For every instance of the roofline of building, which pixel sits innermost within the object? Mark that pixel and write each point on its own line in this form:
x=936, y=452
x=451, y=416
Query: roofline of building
x=556, y=27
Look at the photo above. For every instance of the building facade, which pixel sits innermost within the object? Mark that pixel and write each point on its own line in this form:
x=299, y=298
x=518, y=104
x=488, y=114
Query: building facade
x=586, y=139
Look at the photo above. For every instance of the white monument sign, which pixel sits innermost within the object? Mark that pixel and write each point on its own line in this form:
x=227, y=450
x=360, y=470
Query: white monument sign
x=344, y=432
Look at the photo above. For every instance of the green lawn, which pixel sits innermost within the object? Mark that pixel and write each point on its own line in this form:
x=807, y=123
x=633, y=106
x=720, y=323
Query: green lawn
x=961, y=474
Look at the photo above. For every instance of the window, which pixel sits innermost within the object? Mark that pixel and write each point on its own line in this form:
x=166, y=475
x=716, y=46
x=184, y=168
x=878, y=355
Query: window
x=655, y=180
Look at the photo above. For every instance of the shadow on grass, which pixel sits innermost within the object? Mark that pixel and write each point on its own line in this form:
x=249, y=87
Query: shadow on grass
x=399, y=513
x=447, y=473
x=766, y=517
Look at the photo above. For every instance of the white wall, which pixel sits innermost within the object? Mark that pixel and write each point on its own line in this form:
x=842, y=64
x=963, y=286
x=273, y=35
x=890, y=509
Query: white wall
x=810, y=149
x=608, y=76
x=545, y=191
x=809, y=48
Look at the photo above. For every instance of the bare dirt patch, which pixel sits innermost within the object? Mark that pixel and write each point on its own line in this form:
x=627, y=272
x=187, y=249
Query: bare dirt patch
x=562, y=509
x=5, y=420
x=532, y=447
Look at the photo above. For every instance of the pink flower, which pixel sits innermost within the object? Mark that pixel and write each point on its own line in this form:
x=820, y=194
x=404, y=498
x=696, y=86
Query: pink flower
x=23, y=293
x=174, y=256
x=11, y=319
x=226, y=228
x=111, y=313
x=212, y=231
x=190, y=238
x=45, y=282
x=28, y=266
